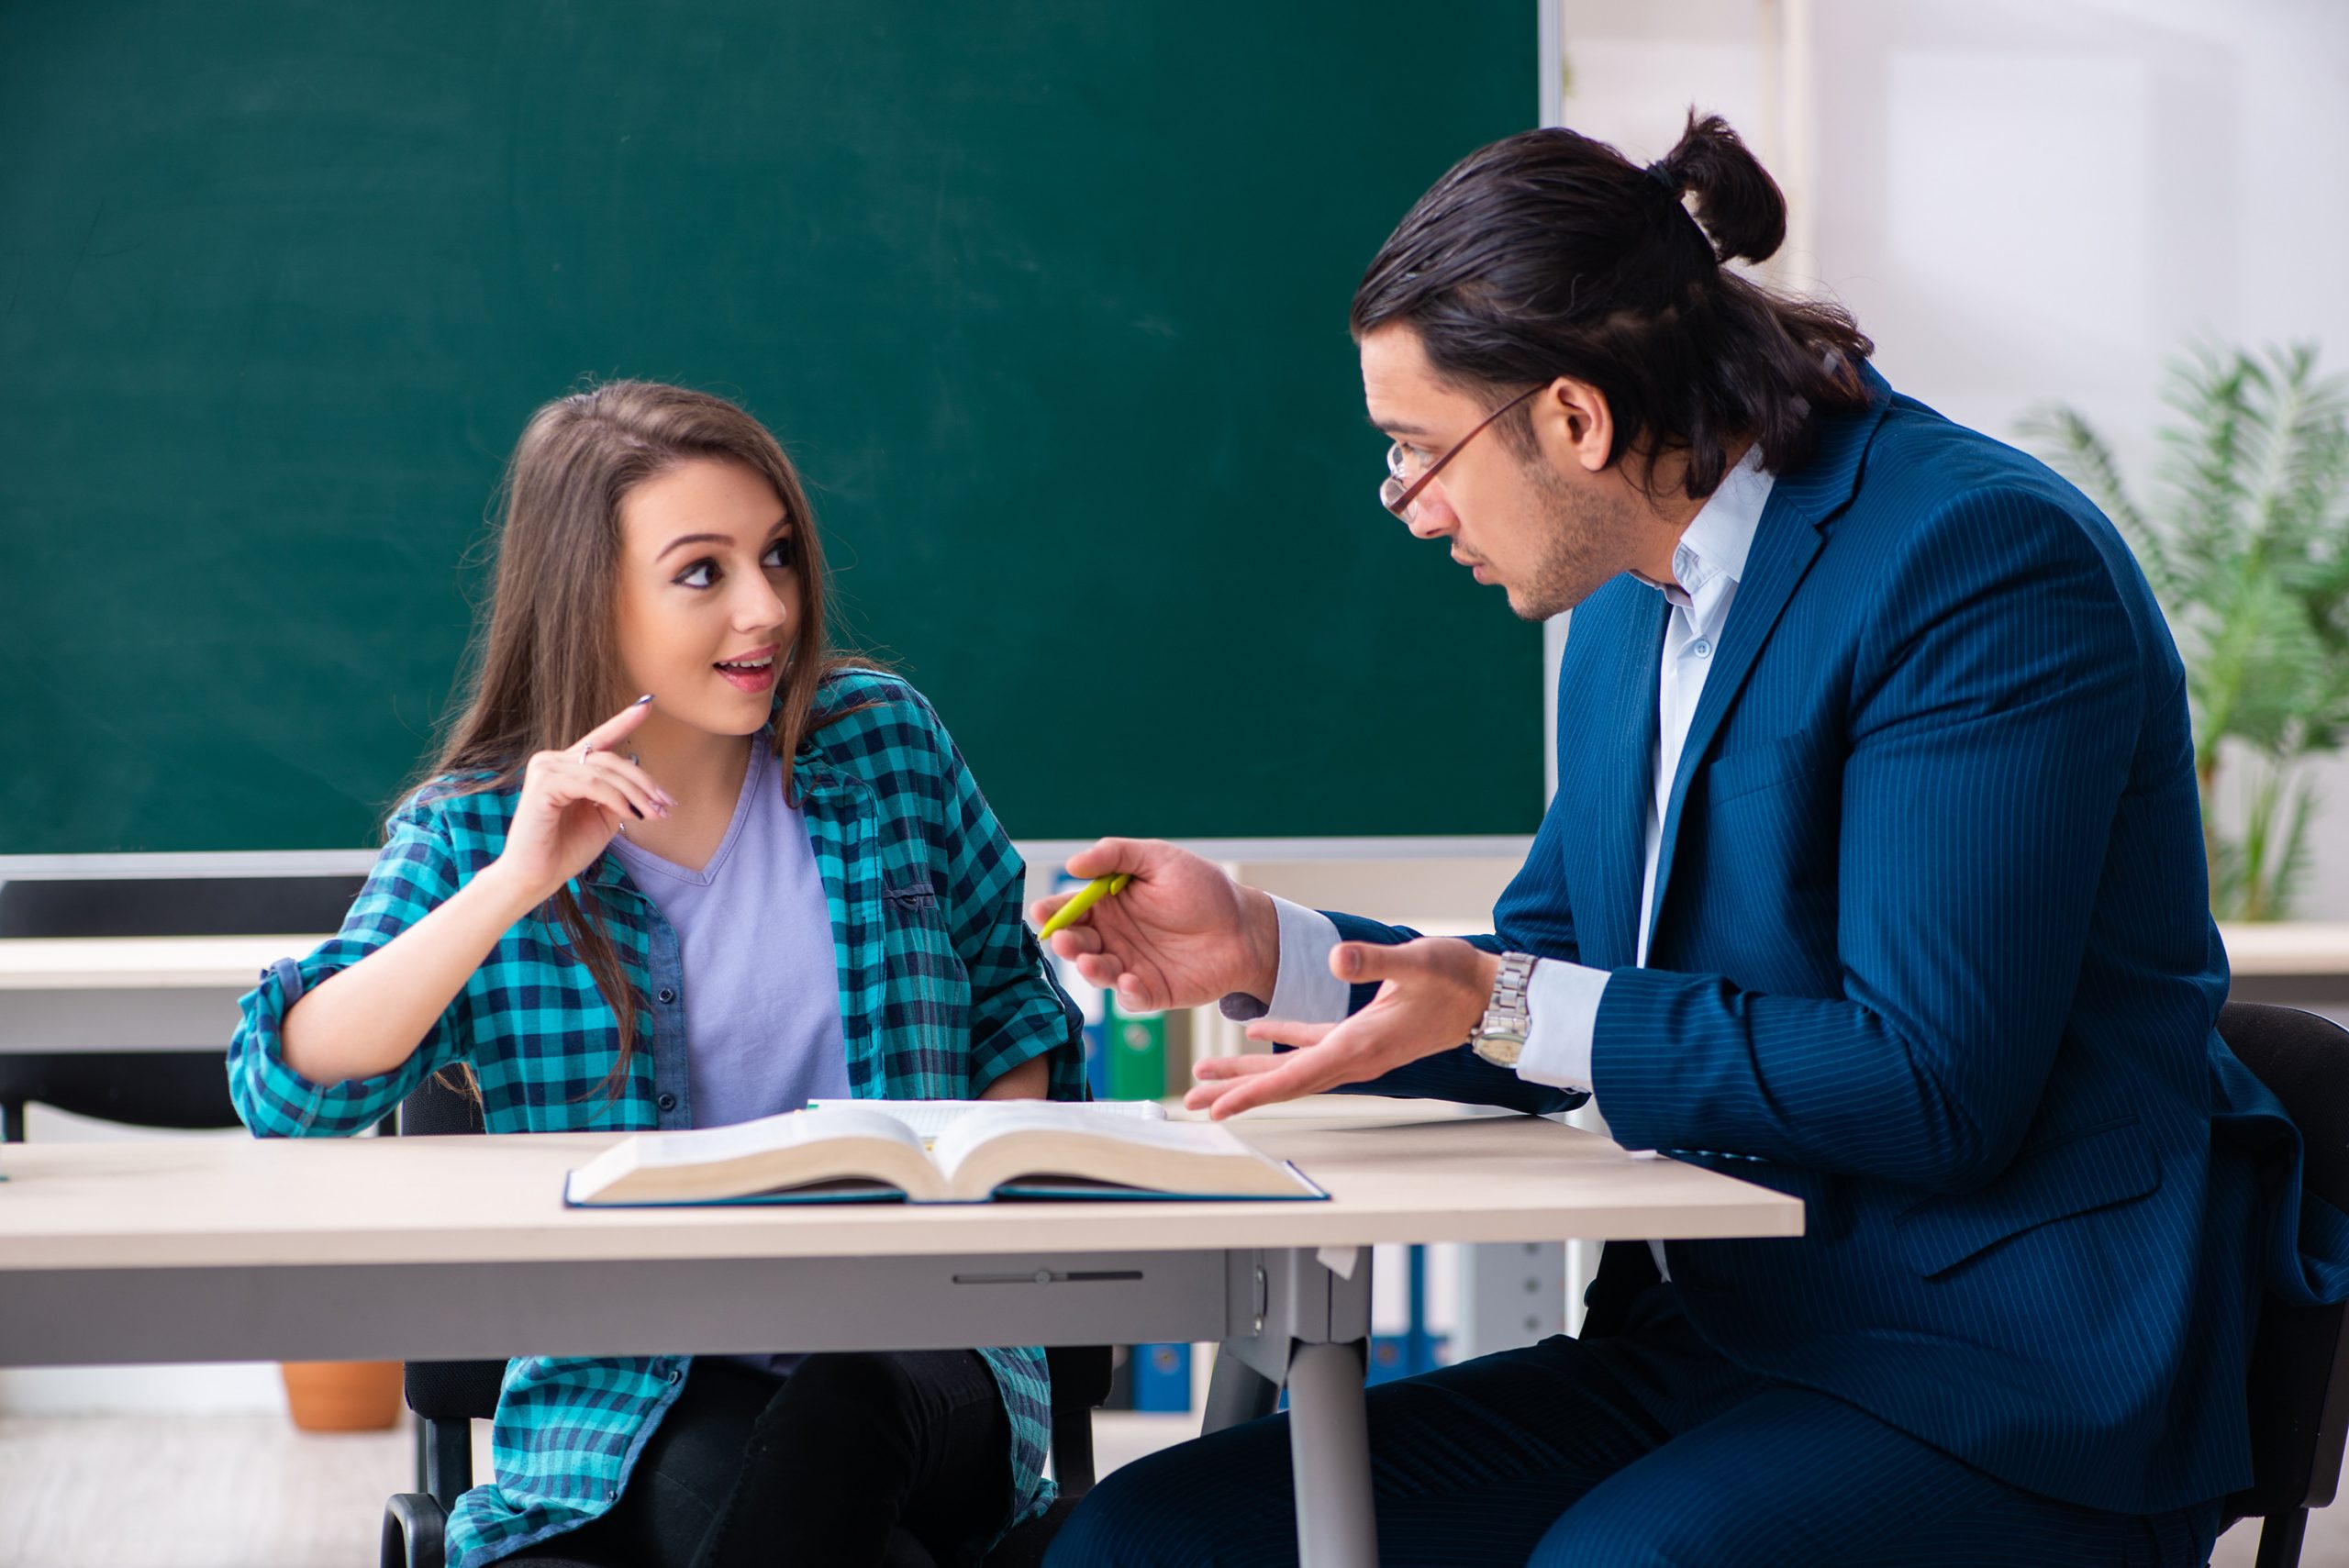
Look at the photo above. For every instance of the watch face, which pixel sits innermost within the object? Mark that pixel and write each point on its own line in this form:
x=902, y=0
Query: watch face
x=1501, y=1049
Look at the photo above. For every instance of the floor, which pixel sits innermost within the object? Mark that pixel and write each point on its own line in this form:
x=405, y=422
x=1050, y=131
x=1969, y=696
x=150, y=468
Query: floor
x=243, y=1490
x=148, y=1491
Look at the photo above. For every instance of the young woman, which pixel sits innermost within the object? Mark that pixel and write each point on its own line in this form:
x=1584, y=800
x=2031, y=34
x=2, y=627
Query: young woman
x=767, y=878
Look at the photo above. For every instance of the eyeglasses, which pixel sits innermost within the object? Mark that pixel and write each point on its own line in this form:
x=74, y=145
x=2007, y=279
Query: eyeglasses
x=1398, y=491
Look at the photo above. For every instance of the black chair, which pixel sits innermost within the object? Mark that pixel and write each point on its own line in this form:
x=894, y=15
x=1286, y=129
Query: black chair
x=150, y=1088
x=448, y=1396
x=2300, y=1360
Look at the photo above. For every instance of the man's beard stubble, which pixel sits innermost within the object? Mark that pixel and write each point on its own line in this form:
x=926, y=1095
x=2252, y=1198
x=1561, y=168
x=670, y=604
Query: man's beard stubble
x=1584, y=542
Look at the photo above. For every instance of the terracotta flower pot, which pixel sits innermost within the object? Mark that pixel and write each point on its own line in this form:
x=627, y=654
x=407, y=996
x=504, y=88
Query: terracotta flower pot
x=343, y=1397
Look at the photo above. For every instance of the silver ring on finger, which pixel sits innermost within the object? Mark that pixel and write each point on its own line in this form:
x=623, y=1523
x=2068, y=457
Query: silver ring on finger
x=588, y=751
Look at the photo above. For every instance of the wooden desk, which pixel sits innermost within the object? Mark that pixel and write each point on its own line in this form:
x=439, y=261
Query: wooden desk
x=75, y=994
x=2298, y=961
x=460, y=1248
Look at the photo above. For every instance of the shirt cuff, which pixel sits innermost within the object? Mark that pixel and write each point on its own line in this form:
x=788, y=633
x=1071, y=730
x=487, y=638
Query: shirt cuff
x=1562, y=1005
x=1304, y=991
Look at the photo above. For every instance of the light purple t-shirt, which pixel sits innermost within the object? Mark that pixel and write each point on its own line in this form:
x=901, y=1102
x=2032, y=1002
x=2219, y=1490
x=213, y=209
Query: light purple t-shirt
x=762, y=992
x=761, y=982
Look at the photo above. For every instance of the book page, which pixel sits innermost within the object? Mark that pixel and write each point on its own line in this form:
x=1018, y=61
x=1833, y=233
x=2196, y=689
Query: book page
x=799, y=1150
x=707, y=1145
x=930, y=1117
x=1008, y=1118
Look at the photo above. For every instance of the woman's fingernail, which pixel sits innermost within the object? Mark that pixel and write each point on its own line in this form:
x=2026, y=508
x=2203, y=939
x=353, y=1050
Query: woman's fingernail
x=643, y=700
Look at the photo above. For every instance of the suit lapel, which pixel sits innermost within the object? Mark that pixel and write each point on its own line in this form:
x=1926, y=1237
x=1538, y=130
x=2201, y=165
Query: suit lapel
x=1785, y=542
x=1620, y=836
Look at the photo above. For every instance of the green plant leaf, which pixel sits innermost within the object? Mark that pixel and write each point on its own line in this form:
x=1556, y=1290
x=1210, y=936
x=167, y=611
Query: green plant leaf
x=2246, y=546
x=2067, y=443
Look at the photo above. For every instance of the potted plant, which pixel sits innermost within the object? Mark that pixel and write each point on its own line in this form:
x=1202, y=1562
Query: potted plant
x=2247, y=548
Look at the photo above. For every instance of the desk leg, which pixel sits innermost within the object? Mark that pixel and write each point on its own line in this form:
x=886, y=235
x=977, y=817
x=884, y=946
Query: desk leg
x=1236, y=1393
x=1328, y=1445
x=1310, y=1328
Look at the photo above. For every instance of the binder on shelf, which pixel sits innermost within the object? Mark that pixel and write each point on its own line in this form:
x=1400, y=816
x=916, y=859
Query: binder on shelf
x=1400, y=1344
x=1135, y=1045
x=1162, y=1378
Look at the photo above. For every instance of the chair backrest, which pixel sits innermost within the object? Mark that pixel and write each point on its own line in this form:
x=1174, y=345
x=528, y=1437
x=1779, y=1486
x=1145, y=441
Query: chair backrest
x=434, y=1109
x=2299, y=1363
x=1081, y=1377
x=175, y=906
x=448, y=1391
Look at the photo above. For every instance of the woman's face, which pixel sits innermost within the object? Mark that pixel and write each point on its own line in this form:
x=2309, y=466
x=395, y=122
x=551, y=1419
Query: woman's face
x=708, y=596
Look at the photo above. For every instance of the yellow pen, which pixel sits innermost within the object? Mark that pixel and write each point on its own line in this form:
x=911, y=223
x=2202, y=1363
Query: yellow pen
x=1091, y=893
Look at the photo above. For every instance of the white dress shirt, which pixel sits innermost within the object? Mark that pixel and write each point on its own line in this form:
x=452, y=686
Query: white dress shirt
x=1562, y=999
x=1705, y=565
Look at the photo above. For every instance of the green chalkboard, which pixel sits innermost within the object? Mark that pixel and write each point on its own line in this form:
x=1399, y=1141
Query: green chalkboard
x=1046, y=296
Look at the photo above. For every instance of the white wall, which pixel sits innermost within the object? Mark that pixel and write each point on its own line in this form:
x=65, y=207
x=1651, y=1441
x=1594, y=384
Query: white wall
x=2026, y=201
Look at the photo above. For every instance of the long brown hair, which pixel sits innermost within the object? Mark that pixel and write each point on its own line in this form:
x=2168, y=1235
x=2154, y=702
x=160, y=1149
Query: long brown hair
x=545, y=661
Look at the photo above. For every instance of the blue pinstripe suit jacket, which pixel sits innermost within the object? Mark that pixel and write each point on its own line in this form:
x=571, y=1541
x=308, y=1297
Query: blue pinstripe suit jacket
x=1931, y=950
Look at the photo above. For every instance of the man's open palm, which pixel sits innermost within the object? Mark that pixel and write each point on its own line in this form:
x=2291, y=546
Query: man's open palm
x=1432, y=992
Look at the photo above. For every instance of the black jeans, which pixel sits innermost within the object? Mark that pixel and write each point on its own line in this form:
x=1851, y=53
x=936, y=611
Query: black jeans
x=897, y=1459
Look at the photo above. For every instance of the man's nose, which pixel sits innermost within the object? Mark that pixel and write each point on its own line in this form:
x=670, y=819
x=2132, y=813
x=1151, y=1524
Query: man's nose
x=1431, y=516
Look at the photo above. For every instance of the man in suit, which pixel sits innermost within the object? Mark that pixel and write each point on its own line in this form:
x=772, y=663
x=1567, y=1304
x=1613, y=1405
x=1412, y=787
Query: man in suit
x=1875, y=874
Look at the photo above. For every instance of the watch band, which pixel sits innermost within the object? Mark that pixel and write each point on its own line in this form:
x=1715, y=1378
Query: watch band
x=1500, y=1038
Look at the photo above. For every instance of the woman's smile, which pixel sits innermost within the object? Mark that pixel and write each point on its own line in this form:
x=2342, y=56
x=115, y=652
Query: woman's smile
x=752, y=671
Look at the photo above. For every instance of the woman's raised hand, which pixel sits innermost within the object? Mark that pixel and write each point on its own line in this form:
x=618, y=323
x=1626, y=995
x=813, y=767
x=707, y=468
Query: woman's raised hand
x=1182, y=934
x=574, y=800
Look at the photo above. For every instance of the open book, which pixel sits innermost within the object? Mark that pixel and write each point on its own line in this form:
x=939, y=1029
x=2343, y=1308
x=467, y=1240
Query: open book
x=1007, y=1149
x=930, y=1117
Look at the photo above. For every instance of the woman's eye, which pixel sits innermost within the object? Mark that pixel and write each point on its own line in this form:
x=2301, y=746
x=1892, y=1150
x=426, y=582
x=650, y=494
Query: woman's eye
x=698, y=575
x=783, y=552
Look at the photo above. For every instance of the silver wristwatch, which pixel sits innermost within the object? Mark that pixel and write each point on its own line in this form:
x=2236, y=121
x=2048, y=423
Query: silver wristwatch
x=1500, y=1039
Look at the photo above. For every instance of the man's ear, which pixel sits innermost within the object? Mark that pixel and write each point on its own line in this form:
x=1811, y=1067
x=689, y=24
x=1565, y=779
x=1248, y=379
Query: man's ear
x=1572, y=424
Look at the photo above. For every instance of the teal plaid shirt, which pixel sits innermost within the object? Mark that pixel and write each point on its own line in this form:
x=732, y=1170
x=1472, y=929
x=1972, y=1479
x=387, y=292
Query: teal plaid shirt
x=942, y=990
